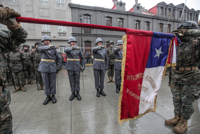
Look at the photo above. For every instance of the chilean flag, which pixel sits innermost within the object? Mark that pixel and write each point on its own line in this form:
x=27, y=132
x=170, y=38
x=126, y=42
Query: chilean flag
x=144, y=61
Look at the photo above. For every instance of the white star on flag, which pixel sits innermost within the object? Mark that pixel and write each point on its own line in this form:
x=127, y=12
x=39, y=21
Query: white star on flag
x=158, y=52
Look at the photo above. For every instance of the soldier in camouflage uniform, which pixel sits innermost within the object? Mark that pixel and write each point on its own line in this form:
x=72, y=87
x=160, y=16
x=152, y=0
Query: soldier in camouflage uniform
x=9, y=40
x=36, y=60
x=185, y=77
x=16, y=66
x=111, y=58
x=28, y=64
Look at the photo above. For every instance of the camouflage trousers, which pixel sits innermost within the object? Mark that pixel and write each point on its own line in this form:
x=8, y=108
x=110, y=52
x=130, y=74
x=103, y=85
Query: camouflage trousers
x=183, y=100
x=28, y=73
x=6, y=124
x=39, y=77
x=111, y=71
x=9, y=77
x=18, y=78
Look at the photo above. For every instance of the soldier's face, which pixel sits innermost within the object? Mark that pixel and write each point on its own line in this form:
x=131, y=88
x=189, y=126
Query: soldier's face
x=99, y=43
x=46, y=42
x=111, y=45
x=25, y=48
x=120, y=45
x=36, y=46
x=73, y=43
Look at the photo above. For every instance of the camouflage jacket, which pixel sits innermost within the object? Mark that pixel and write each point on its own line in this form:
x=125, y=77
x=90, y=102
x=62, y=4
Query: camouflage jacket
x=27, y=59
x=36, y=59
x=188, y=55
x=111, y=56
x=9, y=40
x=5, y=114
x=16, y=61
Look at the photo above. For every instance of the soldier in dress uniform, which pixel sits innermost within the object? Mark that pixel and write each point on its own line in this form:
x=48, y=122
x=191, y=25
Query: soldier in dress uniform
x=74, y=66
x=9, y=40
x=100, y=66
x=36, y=60
x=118, y=64
x=28, y=64
x=48, y=68
x=111, y=58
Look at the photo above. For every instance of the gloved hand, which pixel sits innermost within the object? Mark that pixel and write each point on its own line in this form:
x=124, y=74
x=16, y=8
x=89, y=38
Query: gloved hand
x=75, y=47
x=52, y=47
x=57, y=70
x=5, y=17
x=83, y=68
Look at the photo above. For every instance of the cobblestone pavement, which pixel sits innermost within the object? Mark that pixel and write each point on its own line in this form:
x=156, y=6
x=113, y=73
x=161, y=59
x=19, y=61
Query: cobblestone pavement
x=91, y=115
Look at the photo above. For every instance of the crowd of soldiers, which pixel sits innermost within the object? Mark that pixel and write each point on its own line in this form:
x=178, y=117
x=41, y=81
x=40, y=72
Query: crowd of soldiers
x=22, y=67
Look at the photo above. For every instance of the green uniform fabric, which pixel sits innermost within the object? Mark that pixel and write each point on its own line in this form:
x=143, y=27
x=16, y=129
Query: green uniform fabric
x=111, y=58
x=185, y=85
x=19, y=78
x=5, y=114
x=28, y=64
x=37, y=59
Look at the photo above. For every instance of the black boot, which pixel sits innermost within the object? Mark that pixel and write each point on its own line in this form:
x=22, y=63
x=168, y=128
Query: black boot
x=117, y=88
x=101, y=92
x=98, y=93
x=78, y=95
x=72, y=96
x=54, y=99
x=47, y=100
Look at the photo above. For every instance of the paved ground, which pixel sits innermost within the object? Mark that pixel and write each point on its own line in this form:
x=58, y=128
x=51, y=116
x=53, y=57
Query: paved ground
x=92, y=115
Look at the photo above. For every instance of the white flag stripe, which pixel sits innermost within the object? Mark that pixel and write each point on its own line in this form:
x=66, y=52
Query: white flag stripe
x=174, y=53
x=151, y=84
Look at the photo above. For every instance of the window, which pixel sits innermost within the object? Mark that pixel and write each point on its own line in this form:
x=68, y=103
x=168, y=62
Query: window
x=187, y=16
x=137, y=24
x=180, y=14
x=147, y=26
x=87, y=19
x=190, y=16
x=173, y=13
x=62, y=31
x=196, y=17
x=108, y=21
x=44, y=2
x=161, y=27
x=61, y=49
x=46, y=30
x=120, y=22
x=168, y=28
x=165, y=11
x=170, y=13
x=162, y=10
x=88, y=46
x=60, y=3
x=14, y=1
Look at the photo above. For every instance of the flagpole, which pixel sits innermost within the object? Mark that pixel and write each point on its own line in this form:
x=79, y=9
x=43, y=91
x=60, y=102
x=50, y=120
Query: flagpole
x=183, y=10
x=67, y=23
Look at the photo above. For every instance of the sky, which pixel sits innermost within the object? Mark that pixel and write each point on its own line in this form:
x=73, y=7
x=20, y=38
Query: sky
x=145, y=3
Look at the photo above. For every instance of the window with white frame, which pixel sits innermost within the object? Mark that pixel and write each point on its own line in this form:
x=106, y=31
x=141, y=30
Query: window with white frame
x=60, y=3
x=161, y=27
x=62, y=31
x=61, y=49
x=16, y=1
x=44, y=2
x=168, y=28
x=120, y=22
x=46, y=30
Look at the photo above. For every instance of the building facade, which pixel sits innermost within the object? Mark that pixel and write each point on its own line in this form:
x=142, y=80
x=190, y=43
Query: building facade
x=44, y=9
x=158, y=18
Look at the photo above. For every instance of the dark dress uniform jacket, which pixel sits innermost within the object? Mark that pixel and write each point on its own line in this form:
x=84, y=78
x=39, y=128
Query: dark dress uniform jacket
x=118, y=56
x=74, y=54
x=100, y=54
x=49, y=54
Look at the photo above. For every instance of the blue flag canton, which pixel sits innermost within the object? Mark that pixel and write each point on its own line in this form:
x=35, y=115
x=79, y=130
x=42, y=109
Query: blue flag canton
x=159, y=49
